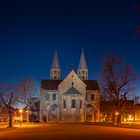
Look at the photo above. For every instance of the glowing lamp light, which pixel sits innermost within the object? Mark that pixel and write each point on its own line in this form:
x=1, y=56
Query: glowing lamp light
x=20, y=110
x=117, y=113
x=130, y=118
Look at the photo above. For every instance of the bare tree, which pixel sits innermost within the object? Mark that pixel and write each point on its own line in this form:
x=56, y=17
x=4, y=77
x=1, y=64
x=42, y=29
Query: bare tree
x=26, y=88
x=9, y=97
x=116, y=80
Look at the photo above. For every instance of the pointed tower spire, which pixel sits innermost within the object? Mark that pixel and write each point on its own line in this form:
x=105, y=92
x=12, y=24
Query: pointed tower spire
x=82, y=64
x=55, y=63
x=83, y=68
x=55, y=71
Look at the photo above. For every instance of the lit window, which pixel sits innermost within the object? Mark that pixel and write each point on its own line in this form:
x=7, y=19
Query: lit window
x=73, y=103
x=54, y=97
x=55, y=71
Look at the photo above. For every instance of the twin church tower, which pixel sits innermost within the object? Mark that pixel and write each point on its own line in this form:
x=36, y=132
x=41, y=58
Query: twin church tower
x=55, y=71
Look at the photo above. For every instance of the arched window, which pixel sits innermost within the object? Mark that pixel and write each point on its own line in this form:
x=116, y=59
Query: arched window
x=72, y=84
x=54, y=97
x=80, y=103
x=92, y=97
x=73, y=103
x=64, y=104
x=47, y=96
x=83, y=72
x=83, y=77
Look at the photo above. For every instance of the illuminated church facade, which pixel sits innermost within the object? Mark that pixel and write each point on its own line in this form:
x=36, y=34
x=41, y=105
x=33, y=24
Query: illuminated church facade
x=72, y=99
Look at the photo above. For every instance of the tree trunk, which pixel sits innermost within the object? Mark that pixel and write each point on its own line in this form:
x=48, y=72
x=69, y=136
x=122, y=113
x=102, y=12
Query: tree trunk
x=113, y=117
x=10, y=118
x=27, y=119
x=119, y=120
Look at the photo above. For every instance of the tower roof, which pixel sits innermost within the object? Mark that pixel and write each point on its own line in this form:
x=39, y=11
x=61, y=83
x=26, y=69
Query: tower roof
x=55, y=63
x=82, y=64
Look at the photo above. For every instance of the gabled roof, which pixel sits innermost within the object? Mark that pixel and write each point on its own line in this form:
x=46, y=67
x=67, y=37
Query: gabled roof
x=72, y=90
x=74, y=75
x=53, y=84
x=92, y=84
x=82, y=64
x=55, y=63
x=50, y=84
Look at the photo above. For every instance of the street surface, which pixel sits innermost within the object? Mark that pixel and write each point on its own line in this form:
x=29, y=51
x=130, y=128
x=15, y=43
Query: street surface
x=68, y=132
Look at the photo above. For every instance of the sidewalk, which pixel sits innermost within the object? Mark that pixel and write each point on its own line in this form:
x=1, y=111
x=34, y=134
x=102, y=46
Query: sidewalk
x=5, y=125
x=135, y=125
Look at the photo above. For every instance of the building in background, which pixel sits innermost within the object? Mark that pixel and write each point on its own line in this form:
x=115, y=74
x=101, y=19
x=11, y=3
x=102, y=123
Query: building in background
x=108, y=111
x=74, y=98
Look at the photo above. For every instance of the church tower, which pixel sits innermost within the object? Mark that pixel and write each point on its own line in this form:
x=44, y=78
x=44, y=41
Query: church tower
x=83, y=69
x=55, y=71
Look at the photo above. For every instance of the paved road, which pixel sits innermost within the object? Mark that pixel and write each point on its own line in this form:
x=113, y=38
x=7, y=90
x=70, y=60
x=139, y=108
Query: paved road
x=69, y=132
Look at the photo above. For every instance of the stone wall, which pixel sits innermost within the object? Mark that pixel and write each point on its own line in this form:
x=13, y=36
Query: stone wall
x=89, y=107
x=93, y=105
x=69, y=113
x=72, y=80
x=48, y=105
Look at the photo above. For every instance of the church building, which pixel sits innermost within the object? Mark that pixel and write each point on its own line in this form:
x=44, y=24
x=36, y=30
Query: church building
x=73, y=99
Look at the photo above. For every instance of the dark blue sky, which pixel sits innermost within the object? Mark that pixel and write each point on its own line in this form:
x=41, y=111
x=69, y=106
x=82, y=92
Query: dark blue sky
x=31, y=30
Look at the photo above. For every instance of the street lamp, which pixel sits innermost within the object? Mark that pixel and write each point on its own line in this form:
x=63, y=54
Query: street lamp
x=27, y=115
x=20, y=111
x=117, y=113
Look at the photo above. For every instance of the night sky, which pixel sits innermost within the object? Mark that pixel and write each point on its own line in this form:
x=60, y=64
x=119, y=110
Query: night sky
x=31, y=30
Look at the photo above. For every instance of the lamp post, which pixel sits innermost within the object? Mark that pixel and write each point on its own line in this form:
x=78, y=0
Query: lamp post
x=116, y=113
x=20, y=111
x=27, y=115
